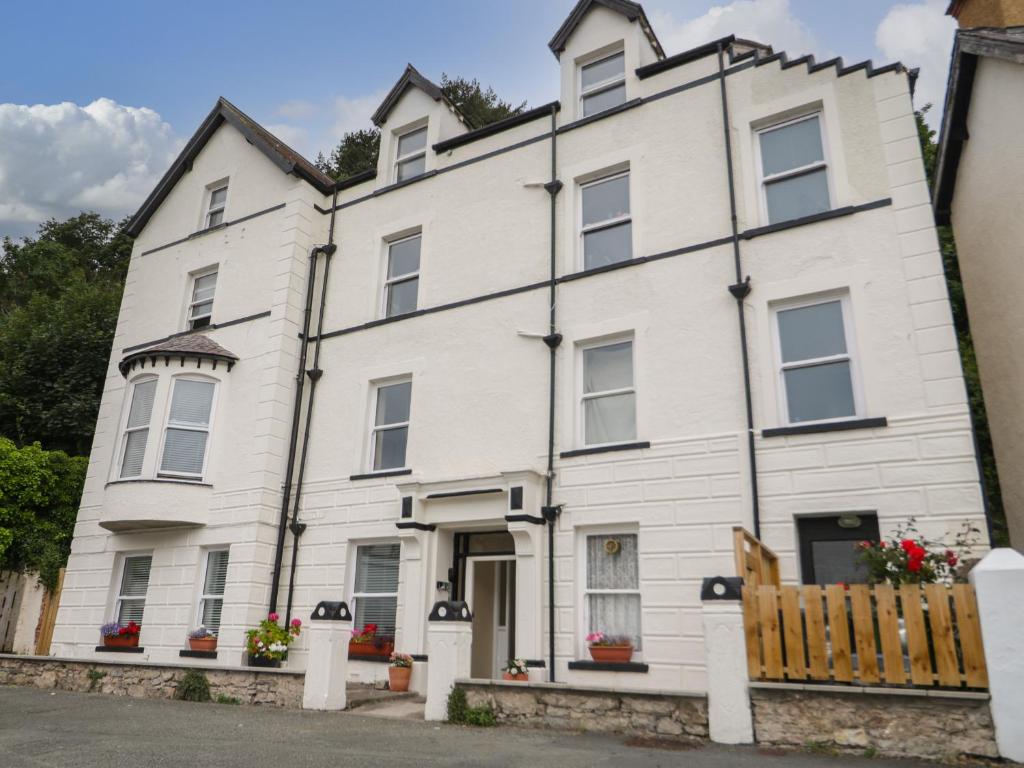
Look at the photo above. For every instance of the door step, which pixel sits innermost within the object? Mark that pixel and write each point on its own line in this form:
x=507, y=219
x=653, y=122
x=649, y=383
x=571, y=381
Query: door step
x=360, y=696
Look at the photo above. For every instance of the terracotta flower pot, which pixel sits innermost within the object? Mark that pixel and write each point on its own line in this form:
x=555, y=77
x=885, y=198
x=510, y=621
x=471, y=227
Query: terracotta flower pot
x=398, y=678
x=370, y=649
x=510, y=676
x=121, y=641
x=612, y=654
x=202, y=643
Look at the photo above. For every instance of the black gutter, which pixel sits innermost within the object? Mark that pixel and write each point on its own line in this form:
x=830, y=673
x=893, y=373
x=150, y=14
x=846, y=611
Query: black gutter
x=683, y=58
x=315, y=374
x=954, y=135
x=497, y=127
x=553, y=339
x=740, y=289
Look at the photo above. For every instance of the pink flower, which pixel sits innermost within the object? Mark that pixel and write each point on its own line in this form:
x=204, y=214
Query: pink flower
x=273, y=616
x=296, y=623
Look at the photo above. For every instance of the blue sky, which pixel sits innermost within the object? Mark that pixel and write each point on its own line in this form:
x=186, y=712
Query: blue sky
x=102, y=98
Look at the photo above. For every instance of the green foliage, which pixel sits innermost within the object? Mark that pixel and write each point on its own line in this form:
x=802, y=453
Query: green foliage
x=357, y=152
x=225, y=699
x=193, y=687
x=460, y=713
x=94, y=676
x=975, y=397
x=39, y=493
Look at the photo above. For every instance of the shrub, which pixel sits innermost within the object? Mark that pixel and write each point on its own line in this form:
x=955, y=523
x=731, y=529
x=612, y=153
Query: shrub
x=460, y=713
x=193, y=687
x=225, y=699
x=94, y=677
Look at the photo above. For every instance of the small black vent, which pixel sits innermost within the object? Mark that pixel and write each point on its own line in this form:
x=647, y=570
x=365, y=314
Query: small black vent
x=515, y=497
x=407, y=506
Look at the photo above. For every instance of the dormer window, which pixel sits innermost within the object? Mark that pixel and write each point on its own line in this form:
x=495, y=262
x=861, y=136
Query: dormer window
x=603, y=84
x=215, y=210
x=411, y=155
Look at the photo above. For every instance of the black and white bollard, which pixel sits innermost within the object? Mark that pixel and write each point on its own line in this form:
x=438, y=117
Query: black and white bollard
x=449, y=646
x=330, y=629
x=729, y=715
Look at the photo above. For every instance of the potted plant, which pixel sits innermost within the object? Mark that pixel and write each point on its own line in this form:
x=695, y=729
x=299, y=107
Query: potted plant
x=515, y=669
x=616, y=649
x=399, y=672
x=268, y=644
x=202, y=639
x=368, y=641
x=116, y=635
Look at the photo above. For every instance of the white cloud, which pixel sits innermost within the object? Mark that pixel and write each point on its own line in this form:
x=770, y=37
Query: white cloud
x=297, y=109
x=294, y=136
x=353, y=114
x=767, y=21
x=58, y=159
x=920, y=35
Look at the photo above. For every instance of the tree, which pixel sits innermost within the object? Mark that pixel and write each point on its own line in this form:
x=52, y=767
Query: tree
x=358, y=151
x=958, y=303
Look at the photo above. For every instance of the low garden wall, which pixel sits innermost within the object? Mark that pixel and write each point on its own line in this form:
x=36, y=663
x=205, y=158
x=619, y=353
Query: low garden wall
x=933, y=724
x=273, y=687
x=642, y=713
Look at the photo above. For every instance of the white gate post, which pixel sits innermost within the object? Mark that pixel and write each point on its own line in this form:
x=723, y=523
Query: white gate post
x=999, y=585
x=729, y=715
x=449, y=642
x=330, y=629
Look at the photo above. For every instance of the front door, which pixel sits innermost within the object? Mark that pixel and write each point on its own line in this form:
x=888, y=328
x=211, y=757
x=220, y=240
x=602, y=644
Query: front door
x=491, y=594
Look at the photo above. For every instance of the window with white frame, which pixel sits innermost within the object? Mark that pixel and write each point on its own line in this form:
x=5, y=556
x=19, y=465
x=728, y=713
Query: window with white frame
x=411, y=154
x=390, y=434
x=136, y=430
x=131, y=593
x=215, y=210
x=188, y=428
x=215, y=579
x=401, y=284
x=815, y=360
x=606, y=227
x=612, y=585
x=602, y=84
x=608, y=399
x=375, y=591
x=794, y=174
x=200, y=306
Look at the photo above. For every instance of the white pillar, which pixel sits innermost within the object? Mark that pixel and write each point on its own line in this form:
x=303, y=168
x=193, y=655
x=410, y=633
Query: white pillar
x=330, y=629
x=449, y=642
x=729, y=715
x=999, y=584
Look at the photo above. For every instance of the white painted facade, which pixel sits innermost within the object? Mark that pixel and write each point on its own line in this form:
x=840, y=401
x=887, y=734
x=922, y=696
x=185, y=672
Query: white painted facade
x=479, y=399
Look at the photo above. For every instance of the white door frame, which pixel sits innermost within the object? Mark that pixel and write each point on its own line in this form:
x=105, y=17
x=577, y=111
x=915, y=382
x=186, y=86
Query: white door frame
x=471, y=561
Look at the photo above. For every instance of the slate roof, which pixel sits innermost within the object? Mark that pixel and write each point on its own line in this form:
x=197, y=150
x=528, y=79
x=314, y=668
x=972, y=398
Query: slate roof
x=632, y=11
x=412, y=77
x=195, y=345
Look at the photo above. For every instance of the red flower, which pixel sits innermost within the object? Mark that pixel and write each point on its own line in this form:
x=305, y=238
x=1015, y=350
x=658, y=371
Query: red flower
x=951, y=558
x=881, y=544
x=865, y=545
x=914, y=566
x=908, y=544
x=123, y=631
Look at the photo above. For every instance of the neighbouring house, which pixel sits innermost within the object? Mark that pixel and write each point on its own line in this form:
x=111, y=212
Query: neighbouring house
x=978, y=172
x=544, y=366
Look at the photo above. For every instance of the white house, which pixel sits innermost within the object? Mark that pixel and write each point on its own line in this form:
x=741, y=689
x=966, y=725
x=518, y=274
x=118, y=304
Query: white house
x=550, y=363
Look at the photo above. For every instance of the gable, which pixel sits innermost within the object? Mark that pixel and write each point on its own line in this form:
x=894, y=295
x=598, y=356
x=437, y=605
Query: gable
x=633, y=12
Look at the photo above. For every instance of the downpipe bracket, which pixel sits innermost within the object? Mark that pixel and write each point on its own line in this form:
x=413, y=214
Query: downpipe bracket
x=551, y=513
x=740, y=291
x=314, y=374
x=553, y=340
x=553, y=187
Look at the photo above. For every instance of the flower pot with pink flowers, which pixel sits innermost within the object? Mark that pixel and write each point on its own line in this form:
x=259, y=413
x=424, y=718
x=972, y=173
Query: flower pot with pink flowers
x=613, y=649
x=399, y=671
x=267, y=645
x=515, y=669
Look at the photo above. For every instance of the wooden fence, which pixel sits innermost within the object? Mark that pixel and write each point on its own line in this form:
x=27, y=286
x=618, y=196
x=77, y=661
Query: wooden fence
x=755, y=563
x=48, y=617
x=911, y=635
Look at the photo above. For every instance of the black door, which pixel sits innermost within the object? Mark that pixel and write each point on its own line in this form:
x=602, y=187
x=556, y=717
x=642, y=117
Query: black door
x=828, y=547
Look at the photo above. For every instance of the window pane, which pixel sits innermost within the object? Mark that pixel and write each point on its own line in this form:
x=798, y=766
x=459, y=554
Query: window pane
x=605, y=69
x=603, y=100
x=411, y=168
x=615, y=569
x=218, y=196
x=210, y=618
x=377, y=567
x=402, y=297
x=142, y=404
x=615, y=615
x=609, y=419
x=184, y=450
x=606, y=200
x=836, y=561
x=389, y=451
x=404, y=257
x=204, y=287
x=202, y=310
x=377, y=610
x=215, y=218
x=191, y=402
x=798, y=196
x=608, y=246
x=134, y=452
x=791, y=146
x=809, y=332
x=414, y=141
x=819, y=392
x=216, y=573
x=131, y=610
x=135, y=577
x=608, y=367
x=393, y=403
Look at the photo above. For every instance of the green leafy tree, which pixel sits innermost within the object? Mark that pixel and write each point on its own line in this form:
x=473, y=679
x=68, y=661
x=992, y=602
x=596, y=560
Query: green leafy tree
x=975, y=396
x=358, y=151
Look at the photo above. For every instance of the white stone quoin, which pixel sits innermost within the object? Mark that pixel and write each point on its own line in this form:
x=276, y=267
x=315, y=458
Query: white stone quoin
x=327, y=663
x=999, y=584
x=729, y=716
x=449, y=644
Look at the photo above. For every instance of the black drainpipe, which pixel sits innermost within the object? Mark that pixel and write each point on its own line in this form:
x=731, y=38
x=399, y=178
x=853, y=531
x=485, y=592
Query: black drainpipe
x=740, y=289
x=293, y=440
x=553, y=339
x=314, y=373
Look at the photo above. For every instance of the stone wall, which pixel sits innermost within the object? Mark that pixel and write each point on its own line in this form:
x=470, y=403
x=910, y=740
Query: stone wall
x=277, y=688
x=931, y=724
x=646, y=713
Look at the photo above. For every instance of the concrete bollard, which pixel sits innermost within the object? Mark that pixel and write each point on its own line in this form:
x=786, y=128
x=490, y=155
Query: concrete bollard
x=449, y=641
x=330, y=629
x=729, y=715
x=999, y=585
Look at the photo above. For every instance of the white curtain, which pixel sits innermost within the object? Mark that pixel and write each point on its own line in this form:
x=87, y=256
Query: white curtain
x=618, y=569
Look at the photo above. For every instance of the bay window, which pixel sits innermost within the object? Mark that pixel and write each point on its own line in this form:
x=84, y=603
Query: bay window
x=136, y=432
x=188, y=428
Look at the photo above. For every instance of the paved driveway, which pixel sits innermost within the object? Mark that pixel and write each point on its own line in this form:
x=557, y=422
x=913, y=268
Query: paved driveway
x=73, y=730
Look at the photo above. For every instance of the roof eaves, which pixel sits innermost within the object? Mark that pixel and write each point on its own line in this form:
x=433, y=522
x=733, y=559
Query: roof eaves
x=953, y=133
x=632, y=11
